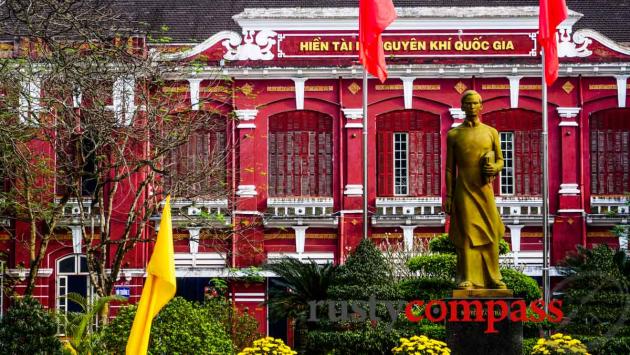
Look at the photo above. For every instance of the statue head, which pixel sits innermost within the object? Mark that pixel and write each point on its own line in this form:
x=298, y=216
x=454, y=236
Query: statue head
x=471, y=104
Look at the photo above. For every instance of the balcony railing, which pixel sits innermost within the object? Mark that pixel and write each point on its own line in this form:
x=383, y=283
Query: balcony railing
x=74, y=210
x=307, y=211
x=210, y=213
x=422, y=211
x=520, y=210
x=609, y=210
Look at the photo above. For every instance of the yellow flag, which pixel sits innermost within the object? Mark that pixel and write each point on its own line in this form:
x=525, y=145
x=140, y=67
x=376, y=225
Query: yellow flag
x=159, y=287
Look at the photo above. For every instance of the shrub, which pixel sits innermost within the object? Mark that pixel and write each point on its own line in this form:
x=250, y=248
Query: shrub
x=268, y=346
x=597, y=292
x=242, y=327
x=364, y=338
x=522, y=285
x=606, y=345
x=181, y=326
x=424, y=288
x=421, y=345
x=559, y=344
x=441, y=266
x=27, y=328
x=441, y=244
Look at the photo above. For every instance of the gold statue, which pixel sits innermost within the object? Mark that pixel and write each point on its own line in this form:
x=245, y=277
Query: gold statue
x=473, y=159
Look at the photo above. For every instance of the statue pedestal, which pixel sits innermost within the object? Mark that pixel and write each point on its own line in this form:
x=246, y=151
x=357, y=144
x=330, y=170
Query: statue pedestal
x=471, y=337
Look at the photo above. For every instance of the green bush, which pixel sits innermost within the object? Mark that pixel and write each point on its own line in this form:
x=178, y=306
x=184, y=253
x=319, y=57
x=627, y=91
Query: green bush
x=27, y=328
x=528, y=345
x=441, y=266
x=605, y=345
x=597, y=292
x=441, y=244
x=522, y=285
x=426, y=288
x=364, y=339
x=364, y=274
x=180, y=327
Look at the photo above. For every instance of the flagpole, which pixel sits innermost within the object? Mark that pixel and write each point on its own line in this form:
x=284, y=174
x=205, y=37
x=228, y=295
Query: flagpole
x=545, y=183
x=365, y=154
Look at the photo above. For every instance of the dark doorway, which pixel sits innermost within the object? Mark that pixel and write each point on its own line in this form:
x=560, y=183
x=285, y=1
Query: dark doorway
x=192, y=288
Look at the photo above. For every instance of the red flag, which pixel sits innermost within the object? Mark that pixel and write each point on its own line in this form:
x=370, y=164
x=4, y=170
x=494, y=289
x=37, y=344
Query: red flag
x=374, y=17
x=552, y=13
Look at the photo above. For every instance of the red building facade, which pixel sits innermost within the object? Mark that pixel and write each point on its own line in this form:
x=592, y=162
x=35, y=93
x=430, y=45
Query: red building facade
x=296, y=122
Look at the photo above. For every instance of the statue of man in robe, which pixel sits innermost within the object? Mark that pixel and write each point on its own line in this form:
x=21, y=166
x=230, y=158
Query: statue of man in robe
x=473, y=160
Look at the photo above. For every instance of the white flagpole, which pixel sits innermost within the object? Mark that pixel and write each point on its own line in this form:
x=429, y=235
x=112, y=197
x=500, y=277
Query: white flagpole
x=545, y=183
x=365, y=154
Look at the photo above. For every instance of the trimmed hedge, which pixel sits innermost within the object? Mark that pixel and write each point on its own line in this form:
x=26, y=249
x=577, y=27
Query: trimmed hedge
x=441, y=266
x=522, y=285
x=441, y=244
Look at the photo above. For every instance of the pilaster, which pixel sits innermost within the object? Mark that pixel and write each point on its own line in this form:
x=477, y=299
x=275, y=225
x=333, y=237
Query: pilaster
x=353, y=190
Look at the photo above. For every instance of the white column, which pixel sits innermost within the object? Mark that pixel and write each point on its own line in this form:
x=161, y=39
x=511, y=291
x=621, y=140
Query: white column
x=77, y=239
x=408, y=91
x=300, y=238
x=408, y=237
x=29, y=99
x=299, y=92
x=193, y=239
x=515, y=236
x=622, y=81
x=194, y=93
x=514, y=90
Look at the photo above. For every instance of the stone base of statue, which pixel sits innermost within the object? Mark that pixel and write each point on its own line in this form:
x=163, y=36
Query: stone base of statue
x=502, y=337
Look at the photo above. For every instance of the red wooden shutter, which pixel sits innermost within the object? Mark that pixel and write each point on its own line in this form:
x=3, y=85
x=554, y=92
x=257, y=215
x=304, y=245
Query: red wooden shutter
x=610, y=152
x=300, y=154
x=385, y=163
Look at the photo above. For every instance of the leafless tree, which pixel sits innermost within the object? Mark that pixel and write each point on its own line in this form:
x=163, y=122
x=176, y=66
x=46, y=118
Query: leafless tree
x=88, y=120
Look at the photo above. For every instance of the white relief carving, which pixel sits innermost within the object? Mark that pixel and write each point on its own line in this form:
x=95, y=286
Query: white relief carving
x=254, y=46
x=573, y=46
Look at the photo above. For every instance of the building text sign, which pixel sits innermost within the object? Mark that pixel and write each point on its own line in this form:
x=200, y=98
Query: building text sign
x=411, y=45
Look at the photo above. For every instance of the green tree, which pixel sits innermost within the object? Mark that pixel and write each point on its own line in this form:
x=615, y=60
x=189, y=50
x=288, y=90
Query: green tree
x=182, y=327
x=79, y=325
x=597, y=293
x=27, y=328
x=300, y=283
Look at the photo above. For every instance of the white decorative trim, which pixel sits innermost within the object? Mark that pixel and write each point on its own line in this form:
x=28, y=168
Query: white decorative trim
x=246, y=125
x=569, y=189
x=193, y=239
x=123, y=99
x=568, y=112
x=457, y=113
x=622, y=90
x=584, y=34
x=299, y=92
x=342, y=212
x=254, y=45
x=230, y=36
x=514, y=88
x=416, y=18
x=353, y=113
x=408, y=237
x=353, y=190
x=300, y=238
x=568, y=124
x=571, y=210
x=194, y=93
x=408, y=91
x=318, y=257
x=354, y=125
x=249, y=213
x=568, y=45
x=21, y=273
x=30, y=97
x=246, y=191
x=246, y=114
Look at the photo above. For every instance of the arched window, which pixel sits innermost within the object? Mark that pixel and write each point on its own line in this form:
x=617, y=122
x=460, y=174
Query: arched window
x=610, y=152
x=520, y=133
x=408, y=153
x=300, y=154
x=72, y=276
